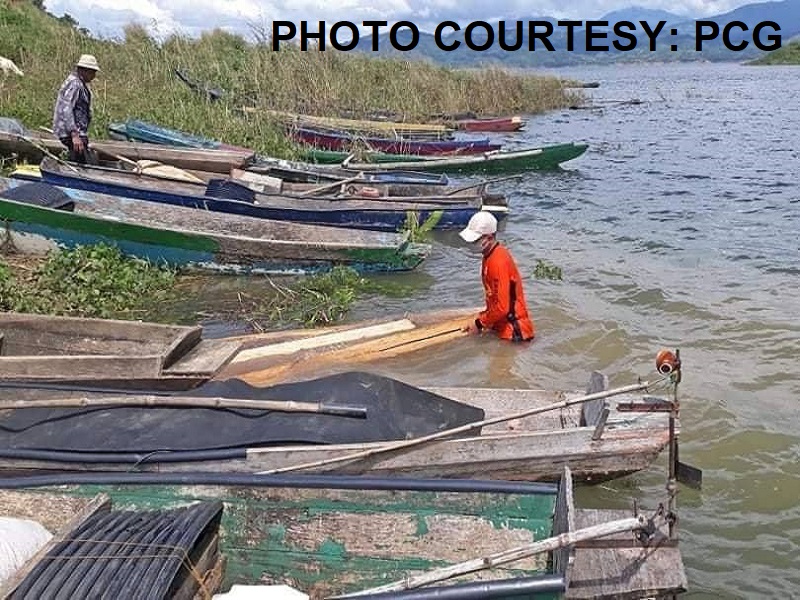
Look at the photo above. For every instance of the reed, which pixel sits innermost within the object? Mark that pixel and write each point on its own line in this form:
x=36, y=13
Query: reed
x=138, y=80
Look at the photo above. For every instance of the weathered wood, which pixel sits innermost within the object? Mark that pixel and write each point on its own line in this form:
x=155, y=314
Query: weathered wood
x=624, y=573
x=591, y=410
x=79, y=367
x=213, y=578
x=601, y=423
x=214, y=160
x=101, y=503
x=208, y=356
x=405, y=444
x=564, y=522
x=507, y=556
x=194, y=582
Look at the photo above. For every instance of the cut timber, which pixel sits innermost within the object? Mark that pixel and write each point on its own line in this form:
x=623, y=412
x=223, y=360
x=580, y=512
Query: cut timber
x=268, y=364
x=312, y=360
x=320, y=341
x=623, y=573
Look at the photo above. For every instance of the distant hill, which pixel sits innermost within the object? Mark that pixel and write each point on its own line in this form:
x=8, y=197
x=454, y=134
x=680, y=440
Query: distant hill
x=786, y=13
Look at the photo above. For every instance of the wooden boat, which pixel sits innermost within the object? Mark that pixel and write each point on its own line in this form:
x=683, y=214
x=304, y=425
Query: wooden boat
x=336, y=140
x=136, y=130
x=225, y=196
x=215, y=160
x=494, y=124
x=495, y=162
x=596, y=440
x=39, y=217
x=329, y=537
x=394, y=128
x=106, y=352
x=305, y=172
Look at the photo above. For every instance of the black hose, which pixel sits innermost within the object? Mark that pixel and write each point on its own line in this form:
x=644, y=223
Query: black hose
x=341, y=482
x=517, y=587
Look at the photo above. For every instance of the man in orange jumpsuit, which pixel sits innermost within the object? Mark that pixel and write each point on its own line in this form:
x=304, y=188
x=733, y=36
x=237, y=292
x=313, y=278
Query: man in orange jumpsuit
x=506, y=311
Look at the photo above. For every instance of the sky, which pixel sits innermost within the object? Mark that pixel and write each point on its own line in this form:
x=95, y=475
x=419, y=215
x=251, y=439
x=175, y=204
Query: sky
x=106, y=18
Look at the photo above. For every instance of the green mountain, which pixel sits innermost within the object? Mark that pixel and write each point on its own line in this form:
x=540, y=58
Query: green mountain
x=678, y=47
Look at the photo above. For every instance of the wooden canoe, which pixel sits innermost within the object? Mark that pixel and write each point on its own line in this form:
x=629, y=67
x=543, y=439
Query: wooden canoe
x=201, y=159
x=338, y=140
x=341, y=536
x=388, y=214
x=362, y=125
x=596, y=446
x=194, y=240
x=495, y=124
x=495, y=162
x=108, y=353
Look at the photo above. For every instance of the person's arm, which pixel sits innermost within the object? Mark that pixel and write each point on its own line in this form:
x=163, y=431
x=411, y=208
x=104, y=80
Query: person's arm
x=499, y=304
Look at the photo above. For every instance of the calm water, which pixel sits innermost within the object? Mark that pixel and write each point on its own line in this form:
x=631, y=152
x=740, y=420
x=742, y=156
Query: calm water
x=678, y=227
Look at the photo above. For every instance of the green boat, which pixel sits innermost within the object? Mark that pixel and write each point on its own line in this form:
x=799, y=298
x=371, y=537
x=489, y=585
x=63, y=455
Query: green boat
x=330, y=536
x=495, y=162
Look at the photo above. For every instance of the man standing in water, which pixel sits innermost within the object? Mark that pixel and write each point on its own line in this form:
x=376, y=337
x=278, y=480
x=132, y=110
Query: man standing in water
x=73, y=111
x=506, y=311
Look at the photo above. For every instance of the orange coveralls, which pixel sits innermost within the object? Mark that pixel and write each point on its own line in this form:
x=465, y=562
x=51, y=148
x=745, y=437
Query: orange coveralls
x=502, y=284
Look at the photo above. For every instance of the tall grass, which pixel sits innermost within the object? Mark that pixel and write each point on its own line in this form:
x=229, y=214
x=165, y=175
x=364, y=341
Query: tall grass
x=137, y=80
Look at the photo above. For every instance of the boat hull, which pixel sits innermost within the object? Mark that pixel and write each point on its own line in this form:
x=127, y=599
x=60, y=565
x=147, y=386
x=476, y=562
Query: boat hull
x=110, y=220
x=371, y=217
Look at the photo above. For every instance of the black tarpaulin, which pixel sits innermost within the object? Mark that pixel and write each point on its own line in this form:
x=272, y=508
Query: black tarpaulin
x=395, y=411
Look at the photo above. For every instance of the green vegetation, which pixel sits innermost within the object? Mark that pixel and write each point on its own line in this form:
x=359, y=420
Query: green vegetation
x=420, y=232
x=543, y=270
x=89, y=281
x=788, y=55
x=138, y=80
x=320, y=299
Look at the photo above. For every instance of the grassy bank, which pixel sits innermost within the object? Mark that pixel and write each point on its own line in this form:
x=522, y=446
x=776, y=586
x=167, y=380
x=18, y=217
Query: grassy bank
x=787, y=55
x=137, y=80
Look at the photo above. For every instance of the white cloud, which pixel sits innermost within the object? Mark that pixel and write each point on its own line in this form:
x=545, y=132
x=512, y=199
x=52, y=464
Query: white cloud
x=108, y=17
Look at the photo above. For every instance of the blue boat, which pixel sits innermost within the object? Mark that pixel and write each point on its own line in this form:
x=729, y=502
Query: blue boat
x=229, y=196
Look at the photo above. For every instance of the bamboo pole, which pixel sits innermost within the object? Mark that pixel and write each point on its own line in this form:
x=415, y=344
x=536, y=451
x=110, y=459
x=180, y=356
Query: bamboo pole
x=329, y=186
x=359, y=412
x=506, y=556
x=403, y=444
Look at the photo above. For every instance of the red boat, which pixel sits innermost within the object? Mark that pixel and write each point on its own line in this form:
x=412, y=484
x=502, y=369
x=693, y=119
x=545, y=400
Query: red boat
x=491, y=124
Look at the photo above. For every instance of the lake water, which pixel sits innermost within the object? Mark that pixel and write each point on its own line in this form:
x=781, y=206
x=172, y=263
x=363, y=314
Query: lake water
x=678, y=228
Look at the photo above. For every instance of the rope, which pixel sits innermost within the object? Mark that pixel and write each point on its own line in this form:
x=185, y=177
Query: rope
x=172, y=550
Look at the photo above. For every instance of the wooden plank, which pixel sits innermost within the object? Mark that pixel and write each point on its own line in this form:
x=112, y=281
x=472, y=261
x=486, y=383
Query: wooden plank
x=213, y=578
x=320, y=341
x=601, y=423
x=623, y=573
x=100, y=503
x=80, y=367
x=564, y=522
x=204, y=567
x=598, y=382
x=312, y=360
x=205, y=359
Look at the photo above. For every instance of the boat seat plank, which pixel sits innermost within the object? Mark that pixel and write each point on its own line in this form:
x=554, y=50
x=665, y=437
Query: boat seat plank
x=623, y=572
x=206, y=358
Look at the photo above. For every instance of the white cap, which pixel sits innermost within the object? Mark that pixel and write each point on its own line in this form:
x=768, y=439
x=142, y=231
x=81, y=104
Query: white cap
x=481, y=223
x=87, y=61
